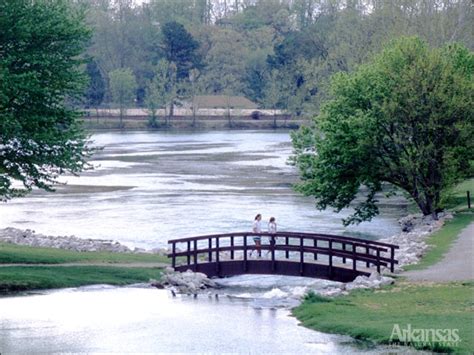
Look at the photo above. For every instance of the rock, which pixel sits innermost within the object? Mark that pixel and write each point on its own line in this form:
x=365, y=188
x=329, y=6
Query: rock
x=31, y=238
x=157, y=284
x=188, y=282
x=412, y=240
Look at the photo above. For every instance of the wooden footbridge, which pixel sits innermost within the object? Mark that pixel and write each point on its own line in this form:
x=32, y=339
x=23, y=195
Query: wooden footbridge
x=284, y=253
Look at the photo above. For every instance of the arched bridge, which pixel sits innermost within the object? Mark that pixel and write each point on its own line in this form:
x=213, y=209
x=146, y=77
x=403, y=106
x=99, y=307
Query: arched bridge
x=285, y=253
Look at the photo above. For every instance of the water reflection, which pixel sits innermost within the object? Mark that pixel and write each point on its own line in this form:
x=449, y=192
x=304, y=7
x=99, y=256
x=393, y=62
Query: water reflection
x=123, y=320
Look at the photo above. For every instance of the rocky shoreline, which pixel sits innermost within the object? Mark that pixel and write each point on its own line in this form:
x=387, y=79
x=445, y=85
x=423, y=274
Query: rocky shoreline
x=29, y=237
x=412, y=240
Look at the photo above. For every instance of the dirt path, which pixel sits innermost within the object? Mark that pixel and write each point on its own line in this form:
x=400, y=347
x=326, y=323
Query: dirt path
x=138, y=265
x=457, y=264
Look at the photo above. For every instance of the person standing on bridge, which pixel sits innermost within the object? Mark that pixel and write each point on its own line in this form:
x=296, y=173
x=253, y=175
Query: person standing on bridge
x=257, y=228
x=272, y=229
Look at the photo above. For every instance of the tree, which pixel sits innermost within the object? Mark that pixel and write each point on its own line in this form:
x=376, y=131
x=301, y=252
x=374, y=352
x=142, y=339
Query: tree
x=405, y=119
x=96, y=89
x=40, y=138
x=161, y=90
x=180, y=48
x=122, y=87
x=273, y=93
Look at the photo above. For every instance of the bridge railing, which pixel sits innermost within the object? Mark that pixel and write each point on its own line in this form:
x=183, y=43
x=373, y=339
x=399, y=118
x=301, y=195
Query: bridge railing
x=283, y=245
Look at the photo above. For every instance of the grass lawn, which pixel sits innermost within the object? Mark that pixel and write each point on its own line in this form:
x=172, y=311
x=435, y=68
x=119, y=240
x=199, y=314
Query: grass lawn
x=369, y=314
x=19, y=254
x=457, y=198
x=45, y=270
x=23, y=278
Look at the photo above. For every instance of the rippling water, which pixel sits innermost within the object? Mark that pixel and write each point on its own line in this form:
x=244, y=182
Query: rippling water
x=142, y=320
x=149, y=187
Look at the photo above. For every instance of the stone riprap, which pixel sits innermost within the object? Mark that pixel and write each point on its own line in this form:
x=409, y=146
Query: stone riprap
x=412, y=240
x=31, y=238
x=188, y=282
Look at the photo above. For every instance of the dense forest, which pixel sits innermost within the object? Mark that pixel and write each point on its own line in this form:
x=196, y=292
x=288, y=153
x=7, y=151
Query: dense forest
x=278, y=53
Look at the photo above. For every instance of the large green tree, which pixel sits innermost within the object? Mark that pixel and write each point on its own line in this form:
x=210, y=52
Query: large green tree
x=406, y=119
x=180, y=48
x=40, y=139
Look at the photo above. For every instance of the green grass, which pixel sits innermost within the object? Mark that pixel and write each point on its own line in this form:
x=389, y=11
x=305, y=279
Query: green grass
x=19, y=254
x=22, y=278
x=441, y=241
x=371, y=315
x=456, y=199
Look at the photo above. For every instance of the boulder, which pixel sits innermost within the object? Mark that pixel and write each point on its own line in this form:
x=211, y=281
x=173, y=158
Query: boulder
x=188, y=282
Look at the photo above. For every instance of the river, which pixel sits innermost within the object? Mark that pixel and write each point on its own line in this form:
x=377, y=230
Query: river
x=146, y=188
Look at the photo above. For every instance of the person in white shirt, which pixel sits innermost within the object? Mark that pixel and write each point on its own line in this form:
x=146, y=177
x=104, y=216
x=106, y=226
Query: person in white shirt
x=257, y=228
x=272, y=229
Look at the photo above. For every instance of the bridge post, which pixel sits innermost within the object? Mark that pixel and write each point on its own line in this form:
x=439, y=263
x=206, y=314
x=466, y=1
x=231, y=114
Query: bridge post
x=245, y=253
x=287, y=252
x=315, y=245
x=378, y=260
x=273, y=242
x=367, y=253
x=330, y=259
x=343, y=249
x=232, y=247
x=195, y=254
x=188, y=253
x=354, y=260
x=301, y=255
x=217, y=255
x=392, y=259
x=209, y=255
x=173, y=255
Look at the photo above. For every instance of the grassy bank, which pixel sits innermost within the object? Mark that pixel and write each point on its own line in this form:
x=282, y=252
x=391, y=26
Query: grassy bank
x=19, y=254
x=47, y=268
x=372, y=315
x=24, y=278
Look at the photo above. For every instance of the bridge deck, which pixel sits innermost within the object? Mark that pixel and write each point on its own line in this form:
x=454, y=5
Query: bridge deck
x=289, y=253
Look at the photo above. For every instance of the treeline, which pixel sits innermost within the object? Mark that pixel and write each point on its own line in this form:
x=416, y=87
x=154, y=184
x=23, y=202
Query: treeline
x=278, y=53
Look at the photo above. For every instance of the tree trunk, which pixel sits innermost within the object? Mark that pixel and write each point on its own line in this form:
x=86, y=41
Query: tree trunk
x=427, y=207
x=171, y=112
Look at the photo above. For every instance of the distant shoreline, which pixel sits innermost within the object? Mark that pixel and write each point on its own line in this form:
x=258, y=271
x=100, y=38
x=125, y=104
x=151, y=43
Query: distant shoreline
x=188, y=122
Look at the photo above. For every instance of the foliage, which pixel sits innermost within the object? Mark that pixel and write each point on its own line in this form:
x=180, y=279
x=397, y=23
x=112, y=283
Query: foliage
x=371, y=315
x=246, y=40
x=180, y=48
x=123, y=88
x=161, y=90
x=40, y=139
x=96, y=90
x=312, y=297
x=405, y=119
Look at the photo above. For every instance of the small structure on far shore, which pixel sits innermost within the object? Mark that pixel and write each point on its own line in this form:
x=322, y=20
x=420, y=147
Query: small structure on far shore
x=221, y=101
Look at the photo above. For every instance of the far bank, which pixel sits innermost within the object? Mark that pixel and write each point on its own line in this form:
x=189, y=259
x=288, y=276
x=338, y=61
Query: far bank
x=140, y=120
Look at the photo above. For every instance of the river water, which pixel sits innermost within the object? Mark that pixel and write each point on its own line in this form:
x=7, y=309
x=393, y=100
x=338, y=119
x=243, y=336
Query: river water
x=148, y=187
